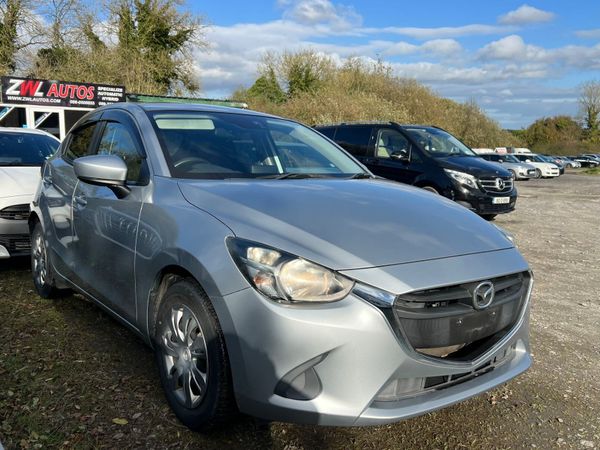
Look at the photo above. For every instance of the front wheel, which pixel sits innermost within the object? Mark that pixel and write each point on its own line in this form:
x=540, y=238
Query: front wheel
x=41, y=269
x=191, y=357
x=538, y=173
x=513, y=175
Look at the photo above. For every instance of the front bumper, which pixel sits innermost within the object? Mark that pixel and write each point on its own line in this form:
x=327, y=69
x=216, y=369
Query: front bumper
x=14, y=231
x=483, y=203
x=343, y=354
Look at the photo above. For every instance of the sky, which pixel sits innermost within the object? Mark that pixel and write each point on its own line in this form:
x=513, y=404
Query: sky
x=518, y=61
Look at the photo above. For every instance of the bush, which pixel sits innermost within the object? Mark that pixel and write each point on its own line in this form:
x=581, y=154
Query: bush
x=360, y=91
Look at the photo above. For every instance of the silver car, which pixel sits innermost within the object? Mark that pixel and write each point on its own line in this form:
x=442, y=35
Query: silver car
x=272, y=274
x=518, y=169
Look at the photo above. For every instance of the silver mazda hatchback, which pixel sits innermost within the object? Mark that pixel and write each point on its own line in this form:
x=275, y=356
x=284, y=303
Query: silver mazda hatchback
x=272, y=273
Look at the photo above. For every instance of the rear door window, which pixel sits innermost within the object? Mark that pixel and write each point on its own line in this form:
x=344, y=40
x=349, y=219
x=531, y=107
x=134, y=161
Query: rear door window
x=355, y=139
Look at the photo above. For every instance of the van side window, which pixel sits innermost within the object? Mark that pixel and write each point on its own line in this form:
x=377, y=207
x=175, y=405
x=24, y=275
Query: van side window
x=79, y=143
x=328, y=131
x=391, y=142
x=355, y=139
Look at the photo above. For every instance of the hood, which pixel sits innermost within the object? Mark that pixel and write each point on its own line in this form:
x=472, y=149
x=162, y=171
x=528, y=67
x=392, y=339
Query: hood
x=543, y=165
x=15, y=180
x=346, y=224
x=473, y=165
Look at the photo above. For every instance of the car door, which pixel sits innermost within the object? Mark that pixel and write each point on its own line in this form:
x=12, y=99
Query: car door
x=105, y=226
x=394, y=157
x=57, y=187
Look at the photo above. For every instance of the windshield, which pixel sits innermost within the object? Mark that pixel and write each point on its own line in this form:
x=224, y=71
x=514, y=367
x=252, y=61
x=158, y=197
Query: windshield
x=539, y=158
x=438, y=143
x=225, y=145
x=510, y=159
x=25, y=149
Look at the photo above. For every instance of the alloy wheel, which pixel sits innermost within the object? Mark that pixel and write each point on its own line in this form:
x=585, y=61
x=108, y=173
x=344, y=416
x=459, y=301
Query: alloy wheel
x=185, y=353
x=40, y=268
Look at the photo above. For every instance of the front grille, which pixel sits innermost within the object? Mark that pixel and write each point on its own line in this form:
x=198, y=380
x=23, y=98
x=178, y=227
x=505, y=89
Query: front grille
x=15, y=212
x=496, y=185
x=16, y=244
x=444, y=322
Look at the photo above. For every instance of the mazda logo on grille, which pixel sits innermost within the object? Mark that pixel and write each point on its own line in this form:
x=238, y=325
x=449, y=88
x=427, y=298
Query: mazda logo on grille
x=499, y=184
x=483, y=295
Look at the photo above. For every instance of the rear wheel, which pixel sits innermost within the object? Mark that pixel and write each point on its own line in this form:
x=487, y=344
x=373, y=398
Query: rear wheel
x=192, y=358
x=41, y=269
x=538, y=173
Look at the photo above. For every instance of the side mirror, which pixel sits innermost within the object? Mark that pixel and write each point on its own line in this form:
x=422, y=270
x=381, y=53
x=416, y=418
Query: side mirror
x=500, y=160
x=103, y=170
x=527, y=160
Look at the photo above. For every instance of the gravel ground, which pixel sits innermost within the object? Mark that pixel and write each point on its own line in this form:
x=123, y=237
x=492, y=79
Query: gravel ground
x=71, y=377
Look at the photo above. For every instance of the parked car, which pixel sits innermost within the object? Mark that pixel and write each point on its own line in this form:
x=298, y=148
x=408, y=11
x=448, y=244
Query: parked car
x=22, y=152
x=543, y=168
x=585, y=161
x=569, y=163
x=429, y=158
x=556, y=161
x=518, y=169
x=272, y=273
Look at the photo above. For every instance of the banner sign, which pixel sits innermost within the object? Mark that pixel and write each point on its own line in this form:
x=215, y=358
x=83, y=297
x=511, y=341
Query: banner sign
x=31, y=91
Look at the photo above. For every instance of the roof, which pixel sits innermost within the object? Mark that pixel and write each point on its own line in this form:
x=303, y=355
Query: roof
x=372, y=122
x=144, y=98
x=26, y=130
x=176, y=106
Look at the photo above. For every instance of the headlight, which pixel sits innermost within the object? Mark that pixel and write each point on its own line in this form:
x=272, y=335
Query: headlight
x=287, y=278
x=463, y=178
x=508, y=235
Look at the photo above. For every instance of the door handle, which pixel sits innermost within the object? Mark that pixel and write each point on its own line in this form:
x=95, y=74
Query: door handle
x=81, y=201
x=373, y=161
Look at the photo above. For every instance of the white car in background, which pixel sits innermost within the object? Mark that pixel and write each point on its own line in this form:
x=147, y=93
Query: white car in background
x=22, y=152
x=543, y=169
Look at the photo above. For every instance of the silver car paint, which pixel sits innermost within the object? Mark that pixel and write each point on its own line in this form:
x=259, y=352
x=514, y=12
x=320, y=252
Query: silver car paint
x=415, y=240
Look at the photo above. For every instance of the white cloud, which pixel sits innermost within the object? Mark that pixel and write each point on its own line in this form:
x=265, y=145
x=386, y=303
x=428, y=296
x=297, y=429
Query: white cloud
x=588, y=34
x=511, y=48
x=440, y=32
x=525, y=14
x=313, y=12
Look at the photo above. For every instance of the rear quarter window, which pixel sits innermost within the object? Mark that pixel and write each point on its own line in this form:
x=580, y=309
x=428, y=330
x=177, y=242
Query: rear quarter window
x=355, y=139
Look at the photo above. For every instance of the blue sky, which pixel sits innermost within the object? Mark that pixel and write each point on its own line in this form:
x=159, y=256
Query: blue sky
x=519, y=61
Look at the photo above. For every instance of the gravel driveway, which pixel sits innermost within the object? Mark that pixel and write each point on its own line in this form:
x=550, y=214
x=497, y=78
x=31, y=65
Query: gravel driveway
x=70, y=376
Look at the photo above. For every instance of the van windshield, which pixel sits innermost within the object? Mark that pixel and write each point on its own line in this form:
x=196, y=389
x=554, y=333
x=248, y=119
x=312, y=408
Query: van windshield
x=219, y=145
x=438, y=143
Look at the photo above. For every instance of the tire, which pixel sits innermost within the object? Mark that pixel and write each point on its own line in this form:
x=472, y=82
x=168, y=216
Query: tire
x=41, y=267
x=192, y=358
x=513, y=175
x=430, y=189
x=489, y=217
x=538, y=174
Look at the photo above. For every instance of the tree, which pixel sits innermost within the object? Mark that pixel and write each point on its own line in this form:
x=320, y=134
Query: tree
x=589, y=103
x=146, y=46
x=267, y=87
x=19, y=28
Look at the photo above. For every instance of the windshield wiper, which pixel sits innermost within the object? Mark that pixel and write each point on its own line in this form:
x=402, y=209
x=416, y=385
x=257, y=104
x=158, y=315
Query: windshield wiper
x=291, y=175
x=360, y=176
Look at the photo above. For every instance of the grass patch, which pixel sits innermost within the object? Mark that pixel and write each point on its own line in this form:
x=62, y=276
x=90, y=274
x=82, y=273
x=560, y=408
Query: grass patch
x=591, y=171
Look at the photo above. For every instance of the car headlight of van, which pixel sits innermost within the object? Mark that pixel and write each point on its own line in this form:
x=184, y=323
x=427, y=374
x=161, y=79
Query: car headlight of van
x=463, y=178
x=286, y=278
